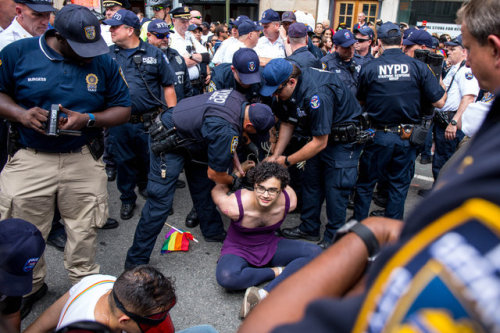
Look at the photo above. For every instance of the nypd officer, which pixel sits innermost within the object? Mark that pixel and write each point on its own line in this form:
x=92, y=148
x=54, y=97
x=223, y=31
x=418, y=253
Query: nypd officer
x=158, y=35
x=297, y=38
x=344, y=62
x=316, y=104
x=147, y=71
x=391, y=88
x=364, y=39
x=200, y=134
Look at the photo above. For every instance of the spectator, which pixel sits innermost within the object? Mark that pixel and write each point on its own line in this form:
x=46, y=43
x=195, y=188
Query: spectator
x=319, y=29
x=316, y=40
x=327, y=45
x=196, y=18
x=271, y=45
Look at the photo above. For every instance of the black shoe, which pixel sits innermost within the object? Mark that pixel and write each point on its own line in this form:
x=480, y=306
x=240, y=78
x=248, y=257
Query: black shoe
x=180, y=183
x=111, y=173
x=378, y=212
x=28, y=301
x=143, y=193
x=171, y=211
x=379, y=200
x=58, y=241
x=110, y=224
x=216, y=238
x=325, y=243
x=425, y=160
x=423, y=192
x=296, y=233
x=192, y=219
x=127, y=211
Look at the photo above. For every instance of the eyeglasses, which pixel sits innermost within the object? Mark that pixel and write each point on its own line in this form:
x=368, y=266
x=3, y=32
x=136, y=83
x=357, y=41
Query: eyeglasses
x=361, y=40
x=280, y=89
x=196, y=17
x=145, y=323
x=271, y=191
x=158, y=8
x=161, y=36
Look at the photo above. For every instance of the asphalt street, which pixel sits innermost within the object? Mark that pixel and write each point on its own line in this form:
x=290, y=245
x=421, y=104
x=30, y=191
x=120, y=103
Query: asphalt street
x=200, y=299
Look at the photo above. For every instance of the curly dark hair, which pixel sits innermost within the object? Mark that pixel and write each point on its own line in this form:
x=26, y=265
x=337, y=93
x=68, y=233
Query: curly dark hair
x=265, y=170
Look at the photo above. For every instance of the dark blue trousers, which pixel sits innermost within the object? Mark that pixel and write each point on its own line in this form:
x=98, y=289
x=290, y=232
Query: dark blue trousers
x=329, y=175
x=392, y=157
x=427, y=149
x=444, y=148
x=159, y=203
x=130, y=146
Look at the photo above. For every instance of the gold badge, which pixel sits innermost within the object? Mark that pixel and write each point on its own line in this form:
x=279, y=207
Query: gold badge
x=0, y=62
x=234, y=144
x=90, y=32
x=92, y=81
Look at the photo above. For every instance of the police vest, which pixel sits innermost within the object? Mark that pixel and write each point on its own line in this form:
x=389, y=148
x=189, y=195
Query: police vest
x=223, y=78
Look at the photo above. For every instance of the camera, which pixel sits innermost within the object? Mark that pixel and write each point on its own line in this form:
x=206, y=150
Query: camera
x=434, y=61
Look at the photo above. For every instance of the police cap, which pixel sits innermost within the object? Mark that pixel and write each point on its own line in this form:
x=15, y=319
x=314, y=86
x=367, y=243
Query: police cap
x=40, y=6
x=419, y=37
x=344, y=38
x=124, y=16
x=388, y=30
x=276, y=72
x=183, y=12
x=246, y=63
x=159, y=26
x=111, y=3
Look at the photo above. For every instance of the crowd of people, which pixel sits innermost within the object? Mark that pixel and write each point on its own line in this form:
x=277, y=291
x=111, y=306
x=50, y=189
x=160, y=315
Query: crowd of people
x=264, y=118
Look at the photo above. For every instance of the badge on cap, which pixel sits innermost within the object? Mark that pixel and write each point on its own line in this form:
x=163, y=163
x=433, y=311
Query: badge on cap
x=346, y=35
x=251, y=66
x=30, y=264
x=117, y=16
x=315, y=102
x=90, y=32
x=234, y=144
x=469, y=76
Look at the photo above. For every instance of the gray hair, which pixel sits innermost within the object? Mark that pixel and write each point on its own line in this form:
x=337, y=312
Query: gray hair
x=481, y=17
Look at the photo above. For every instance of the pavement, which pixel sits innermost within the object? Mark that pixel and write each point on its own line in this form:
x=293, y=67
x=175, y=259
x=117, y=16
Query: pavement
x=200, y=300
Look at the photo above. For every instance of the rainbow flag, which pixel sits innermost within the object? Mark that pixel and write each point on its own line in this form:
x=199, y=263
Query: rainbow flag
x=176, y=241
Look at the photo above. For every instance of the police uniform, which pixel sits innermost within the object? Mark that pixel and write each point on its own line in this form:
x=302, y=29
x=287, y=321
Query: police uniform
x=303, y=58
x=392, y=87
x=46, y=167
x=182, y=84
x=348, y=72
x=442, y=275
x=223, y=78
x=213, y=124
x=321, y=103
x=130, y=141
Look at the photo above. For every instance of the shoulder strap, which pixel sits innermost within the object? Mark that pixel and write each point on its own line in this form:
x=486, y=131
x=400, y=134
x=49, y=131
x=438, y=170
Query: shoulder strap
x=453, y=78
x=287, y=203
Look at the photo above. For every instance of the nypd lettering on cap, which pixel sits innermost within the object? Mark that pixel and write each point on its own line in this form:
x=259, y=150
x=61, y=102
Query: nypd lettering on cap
x=315, y=102
x=117, y=16
x=30, y=264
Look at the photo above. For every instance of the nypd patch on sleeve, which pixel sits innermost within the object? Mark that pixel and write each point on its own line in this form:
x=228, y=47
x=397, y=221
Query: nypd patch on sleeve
x=315, y=102
x=234, y=144
x=469, y=76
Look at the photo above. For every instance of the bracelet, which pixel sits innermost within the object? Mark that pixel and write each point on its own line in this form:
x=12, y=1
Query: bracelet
x=368, y=238
x=286, y=161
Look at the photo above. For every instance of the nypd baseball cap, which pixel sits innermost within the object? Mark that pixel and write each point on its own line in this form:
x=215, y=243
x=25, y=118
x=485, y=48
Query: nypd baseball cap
x=246, y=62
x=193, y=27
x=261, y=116
x=388, y=29
x=248, y=26
x=159, y=26
x=418, y=37
x=239, y=19
x=40, y=6
x=276, y=72
x=124, y=16
x=344, y=38
x=365, y=31
x=297, y=30
x=269, y=16
x=288, y=17
x=457, y=41
x=21, y=246
x=82, y=31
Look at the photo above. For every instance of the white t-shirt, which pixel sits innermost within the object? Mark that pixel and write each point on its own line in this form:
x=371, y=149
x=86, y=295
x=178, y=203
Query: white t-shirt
x=266, y=49
x=13, y=32
x=106, y=34
x=221, y=50
x=83, y=298
x=182, y=45
x=464, y=84
x=204, y=38
x=474, y=115
x=231, y=50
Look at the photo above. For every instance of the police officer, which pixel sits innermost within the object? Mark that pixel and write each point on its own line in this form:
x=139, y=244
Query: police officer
x=161, y=10
x=147, y=71
x=207, y=131
x=158, y=35
x=344, y=62
x=69, y=66
x=364, y=39
x=316, y=104
x=297, y=38
x=391, y=88
x=110, y=8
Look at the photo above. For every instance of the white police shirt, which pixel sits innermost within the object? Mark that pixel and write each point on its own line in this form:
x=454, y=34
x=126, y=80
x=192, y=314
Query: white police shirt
x=106, y=34
x=474, y=115
x=12, y=33
x=231, y=50
x=464, y=84
x=221, y=50
x=266, y=49
x=182, y=45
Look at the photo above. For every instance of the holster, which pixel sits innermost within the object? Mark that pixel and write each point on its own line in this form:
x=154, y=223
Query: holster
x=12, y=140
x=96, y=145
x=406, y=131
x=418, y=135
x=344, y=133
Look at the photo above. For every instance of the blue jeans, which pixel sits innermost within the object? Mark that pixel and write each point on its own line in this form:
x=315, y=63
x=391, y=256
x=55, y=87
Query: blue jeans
x=444, y=148
x=235, y=273
x=389, y=156
x=130, y=146
x=159, y=203
x=331, y=174
x=199, y=329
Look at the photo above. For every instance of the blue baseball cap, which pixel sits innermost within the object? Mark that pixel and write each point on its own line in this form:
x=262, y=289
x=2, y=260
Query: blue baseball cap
x=239, y=19
x=21, y=246
x=365, y=31
x=247, y=26
x=435, y=42
x=344, y=38
x=124, y=16
x=385, y=30
x=269, y=16
x=288, y=17
x=159, y=26
x=276, y=72
x=418, y=37
x=82, y=31
x=297, y=30
x=246, y=62
x=262, y=118
x=193, y=27
x=457, y=41
x=40, y=6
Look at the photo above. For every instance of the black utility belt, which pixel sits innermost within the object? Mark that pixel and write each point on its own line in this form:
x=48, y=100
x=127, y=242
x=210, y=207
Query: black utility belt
x=388, y=128
x=145, y=117
x=36, y=150
x=344, y=133
x=197, y=82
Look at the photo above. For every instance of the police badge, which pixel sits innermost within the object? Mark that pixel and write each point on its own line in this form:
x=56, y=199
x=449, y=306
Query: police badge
x=91, y=82
x=90, y=32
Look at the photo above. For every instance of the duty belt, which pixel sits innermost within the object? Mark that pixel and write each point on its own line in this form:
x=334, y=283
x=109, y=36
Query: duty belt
x=141, y=118
x=387, y=128
x=196, y=82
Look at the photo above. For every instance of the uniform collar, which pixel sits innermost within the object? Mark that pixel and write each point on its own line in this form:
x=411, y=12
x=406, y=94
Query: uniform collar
x=393, y=51
x=140, y=48
x=18, y=28
x=301, y=49
x=46, y=49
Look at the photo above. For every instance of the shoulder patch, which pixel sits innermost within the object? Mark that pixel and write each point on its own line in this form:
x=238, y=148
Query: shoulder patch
x=178, y=59
x=323, y=65
x=315, y=102
x=469, y=75
x=122, y=75
x=234, y=144
x=212, y=87
x=165, y=57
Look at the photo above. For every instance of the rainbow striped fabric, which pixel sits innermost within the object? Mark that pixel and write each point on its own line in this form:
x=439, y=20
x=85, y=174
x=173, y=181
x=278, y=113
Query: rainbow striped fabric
x=176, y=241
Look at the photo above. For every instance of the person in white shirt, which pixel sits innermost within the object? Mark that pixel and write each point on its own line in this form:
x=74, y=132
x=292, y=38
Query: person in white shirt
x=32, y=19
x=221, y=50
x=270, y=45
x=249, y=33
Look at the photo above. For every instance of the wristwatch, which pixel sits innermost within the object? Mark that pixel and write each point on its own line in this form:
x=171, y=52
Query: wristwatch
x=453, y=122
x=286, y=161
x=91, y=121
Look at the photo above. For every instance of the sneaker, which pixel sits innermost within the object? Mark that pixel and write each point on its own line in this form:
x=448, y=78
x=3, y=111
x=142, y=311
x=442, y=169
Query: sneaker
x=28, y=301
x=250, y=300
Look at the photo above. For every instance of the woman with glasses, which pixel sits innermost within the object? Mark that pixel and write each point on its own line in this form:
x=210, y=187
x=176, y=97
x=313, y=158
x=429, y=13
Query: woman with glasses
x=252, y=253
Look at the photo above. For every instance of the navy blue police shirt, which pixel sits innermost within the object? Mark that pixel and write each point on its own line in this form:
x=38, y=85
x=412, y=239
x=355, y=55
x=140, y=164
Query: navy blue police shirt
x=444, y=272
x=182, y=84
x=392, y=85
x=153, y=66
x=303, y=58
x=348, y=72
x=213, y=123
x=223, y=78
x=34, y=75
x=366, y=59
x=318, y=102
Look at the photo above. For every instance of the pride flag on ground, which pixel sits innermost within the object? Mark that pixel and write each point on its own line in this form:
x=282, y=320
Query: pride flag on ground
x=176, y=241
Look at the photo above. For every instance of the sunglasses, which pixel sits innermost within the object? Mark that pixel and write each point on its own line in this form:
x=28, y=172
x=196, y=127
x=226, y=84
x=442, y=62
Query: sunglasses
x=161, y=36
x=361, y=40
x=145, y=323
x=196, y=17
x=158, y=8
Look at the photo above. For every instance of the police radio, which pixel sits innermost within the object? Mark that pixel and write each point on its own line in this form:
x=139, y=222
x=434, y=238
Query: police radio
x=138, y=62
x=52, y=124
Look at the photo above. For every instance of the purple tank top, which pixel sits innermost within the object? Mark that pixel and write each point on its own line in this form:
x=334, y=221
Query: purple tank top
x=256, y=245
